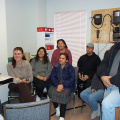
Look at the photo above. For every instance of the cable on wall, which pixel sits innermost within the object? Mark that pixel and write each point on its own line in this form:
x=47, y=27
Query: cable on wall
x=98, y=31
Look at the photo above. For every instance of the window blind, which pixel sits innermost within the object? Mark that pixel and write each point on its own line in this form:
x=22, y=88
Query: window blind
x=71, y=26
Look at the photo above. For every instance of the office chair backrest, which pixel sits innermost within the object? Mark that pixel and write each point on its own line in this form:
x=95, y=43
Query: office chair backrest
x=28, y=111
x=27, y=55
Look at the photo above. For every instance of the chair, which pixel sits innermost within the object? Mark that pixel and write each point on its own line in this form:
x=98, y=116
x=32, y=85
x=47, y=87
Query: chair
x=12, y=94
x=76, y=91
x=76, y=74
x=27, y=55
x=100, y=102
x=28, y=111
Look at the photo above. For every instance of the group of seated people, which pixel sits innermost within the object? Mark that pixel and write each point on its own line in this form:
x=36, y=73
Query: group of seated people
x=58, y=76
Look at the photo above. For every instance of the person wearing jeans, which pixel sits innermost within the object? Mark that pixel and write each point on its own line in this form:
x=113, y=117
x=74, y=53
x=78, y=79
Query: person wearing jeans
x=87, y=67
x=92, y=94
x=109, y=72
x=108, y=107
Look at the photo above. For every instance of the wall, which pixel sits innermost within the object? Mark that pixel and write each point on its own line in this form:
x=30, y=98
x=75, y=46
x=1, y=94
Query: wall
x=22, y=18
x=3, y=49
x=70, y=5
x=106, y=30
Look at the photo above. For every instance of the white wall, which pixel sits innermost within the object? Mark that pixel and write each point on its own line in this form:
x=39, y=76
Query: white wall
x=3, y=38
x=70, y=5
x=20, y=18
x=23, y=17
x=3, y=49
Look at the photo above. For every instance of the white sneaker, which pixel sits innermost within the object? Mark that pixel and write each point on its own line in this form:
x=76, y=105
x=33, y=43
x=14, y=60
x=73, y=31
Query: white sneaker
x=37, y=98
x=1, y=117
x=94, y=114
x=98, y=110
x=58, y=111
x=61, y=118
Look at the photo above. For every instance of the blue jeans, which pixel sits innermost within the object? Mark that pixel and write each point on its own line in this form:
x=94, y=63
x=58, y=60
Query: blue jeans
x=91, y=98
x=110, y=101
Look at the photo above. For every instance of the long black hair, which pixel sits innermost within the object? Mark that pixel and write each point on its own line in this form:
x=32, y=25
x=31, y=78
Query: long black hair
x=63, y=42
x=45, y=58
x=66, y=55
x=13, y=60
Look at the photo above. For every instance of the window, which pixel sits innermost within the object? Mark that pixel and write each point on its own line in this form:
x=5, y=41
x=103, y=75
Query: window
x=71, y=26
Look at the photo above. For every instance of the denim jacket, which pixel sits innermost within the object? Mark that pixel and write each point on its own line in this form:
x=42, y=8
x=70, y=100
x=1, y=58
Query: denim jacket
x=68, y=76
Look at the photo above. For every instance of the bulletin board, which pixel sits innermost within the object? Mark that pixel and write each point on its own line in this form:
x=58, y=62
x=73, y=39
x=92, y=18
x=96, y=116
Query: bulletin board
x=106, y=31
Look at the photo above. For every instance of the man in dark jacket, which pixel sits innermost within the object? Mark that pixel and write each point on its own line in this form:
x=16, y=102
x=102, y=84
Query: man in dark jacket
x=109, y=72
x=87, y=65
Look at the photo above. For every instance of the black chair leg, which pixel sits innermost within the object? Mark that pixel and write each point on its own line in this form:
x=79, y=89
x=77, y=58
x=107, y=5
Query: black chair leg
x=101, y=111
x=100, y=102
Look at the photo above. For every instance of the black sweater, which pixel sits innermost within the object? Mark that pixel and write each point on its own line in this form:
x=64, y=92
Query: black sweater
x=106, y=64
x=88, y=64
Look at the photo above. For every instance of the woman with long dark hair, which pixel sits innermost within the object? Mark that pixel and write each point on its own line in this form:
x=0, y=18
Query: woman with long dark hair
x=62, y=84
x=41, y=68
x=20, y=69
x=61, y=48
